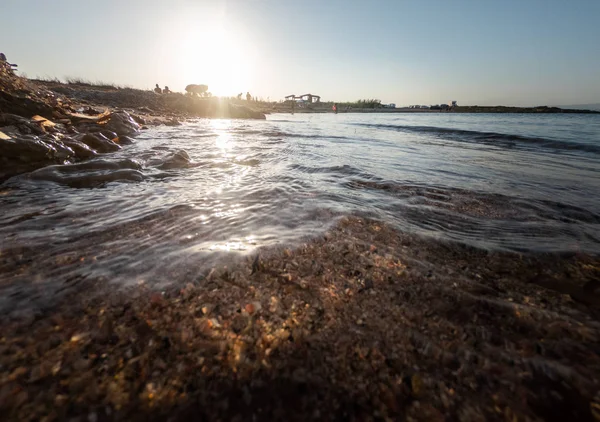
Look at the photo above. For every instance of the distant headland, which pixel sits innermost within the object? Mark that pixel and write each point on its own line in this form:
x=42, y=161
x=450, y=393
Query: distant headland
x=307, y=104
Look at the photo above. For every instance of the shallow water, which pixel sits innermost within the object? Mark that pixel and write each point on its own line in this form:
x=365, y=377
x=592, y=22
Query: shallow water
x=164, y=209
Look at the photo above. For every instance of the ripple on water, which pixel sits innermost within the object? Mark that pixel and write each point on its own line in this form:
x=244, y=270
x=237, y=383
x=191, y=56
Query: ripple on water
x=181, y=199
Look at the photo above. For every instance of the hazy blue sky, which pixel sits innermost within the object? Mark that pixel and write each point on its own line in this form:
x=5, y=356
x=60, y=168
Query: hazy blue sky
x=524, y=52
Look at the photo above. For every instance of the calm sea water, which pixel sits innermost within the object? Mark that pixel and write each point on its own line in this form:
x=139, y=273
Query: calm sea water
x=146, y=214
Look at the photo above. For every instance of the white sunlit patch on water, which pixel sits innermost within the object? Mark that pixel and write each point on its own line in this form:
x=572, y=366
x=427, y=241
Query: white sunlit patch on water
x=224, y=140
x=248, y=242
x=228, y=212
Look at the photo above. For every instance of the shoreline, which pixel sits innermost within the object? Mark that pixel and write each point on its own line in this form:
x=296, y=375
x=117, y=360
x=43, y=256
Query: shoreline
x=44, y=123
x=362, y=321
x=460, y=110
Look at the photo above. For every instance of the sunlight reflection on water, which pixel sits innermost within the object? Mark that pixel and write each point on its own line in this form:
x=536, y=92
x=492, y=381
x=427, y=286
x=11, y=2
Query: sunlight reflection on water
x=516, y=184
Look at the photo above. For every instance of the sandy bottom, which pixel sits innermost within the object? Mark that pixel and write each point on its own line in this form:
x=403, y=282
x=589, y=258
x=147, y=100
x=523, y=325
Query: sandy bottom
x=363, y=323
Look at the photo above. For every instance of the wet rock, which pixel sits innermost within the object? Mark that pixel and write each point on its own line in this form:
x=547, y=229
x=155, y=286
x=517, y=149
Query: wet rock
x=255, y=265
x=125, y=140
x=22, y=124
x=179, y=159
x=99, y=143
x=172, y=122
x=188, y=290
x=109, y=134
x=33, y=149
x=90, y=111
x=82, y=151
x=45, y=124
x=121, y=123
x=90, y=174
x=140, y=120
x=25, y=105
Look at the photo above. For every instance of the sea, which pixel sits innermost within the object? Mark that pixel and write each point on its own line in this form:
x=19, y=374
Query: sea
x=183, y=199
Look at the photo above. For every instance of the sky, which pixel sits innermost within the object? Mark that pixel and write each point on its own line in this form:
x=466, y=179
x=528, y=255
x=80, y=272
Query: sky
x=477, y=52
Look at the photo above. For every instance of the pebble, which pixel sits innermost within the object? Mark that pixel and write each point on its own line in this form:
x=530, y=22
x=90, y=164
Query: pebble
x=253, y=307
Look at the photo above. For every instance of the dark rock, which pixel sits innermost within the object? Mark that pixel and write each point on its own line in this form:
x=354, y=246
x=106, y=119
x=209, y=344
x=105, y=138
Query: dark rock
x=179, y=159
x=140, y=120
x=82, y=151
x=172, y=122
x=90, y=174
x=25, y=126
x=99, y=143
x=109, y=134
x=90, y=111
x=125, y=140
x=26, y=153
x=24, y=105
x=33, y=149
x=121, y=123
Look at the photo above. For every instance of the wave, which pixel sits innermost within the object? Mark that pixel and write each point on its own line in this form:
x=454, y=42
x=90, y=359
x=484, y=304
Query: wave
x=490, y=206
x=284, y=134
x=91, y=174
x=489, y=138
x=343, y=170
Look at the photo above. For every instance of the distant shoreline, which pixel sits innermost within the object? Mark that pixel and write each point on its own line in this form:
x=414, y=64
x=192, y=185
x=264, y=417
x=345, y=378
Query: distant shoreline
x=111, y=95
x=463, y=109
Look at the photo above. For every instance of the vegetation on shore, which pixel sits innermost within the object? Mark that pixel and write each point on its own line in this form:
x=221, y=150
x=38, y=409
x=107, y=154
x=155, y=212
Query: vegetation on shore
x=106, y=94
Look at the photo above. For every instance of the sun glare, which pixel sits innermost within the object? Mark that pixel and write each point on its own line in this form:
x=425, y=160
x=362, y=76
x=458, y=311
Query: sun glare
x=218, y=58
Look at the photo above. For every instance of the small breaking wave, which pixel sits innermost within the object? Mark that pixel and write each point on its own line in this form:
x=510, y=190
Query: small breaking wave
x=91, y=174
x=503, y=140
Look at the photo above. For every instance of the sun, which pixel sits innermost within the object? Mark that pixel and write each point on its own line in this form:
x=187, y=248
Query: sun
x=216, y=56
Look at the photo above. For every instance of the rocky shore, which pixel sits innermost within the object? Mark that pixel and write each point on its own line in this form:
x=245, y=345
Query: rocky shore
x=364, y=323
x=44, y=123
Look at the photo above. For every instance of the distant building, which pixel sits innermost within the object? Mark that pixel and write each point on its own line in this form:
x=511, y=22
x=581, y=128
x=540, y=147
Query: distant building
x=306, y=98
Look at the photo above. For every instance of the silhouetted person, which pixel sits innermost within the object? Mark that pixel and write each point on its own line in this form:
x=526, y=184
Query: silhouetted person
x=334, y=108
x=157, y=89
x=248, y=96
x=166, y=90
x=239, y=96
